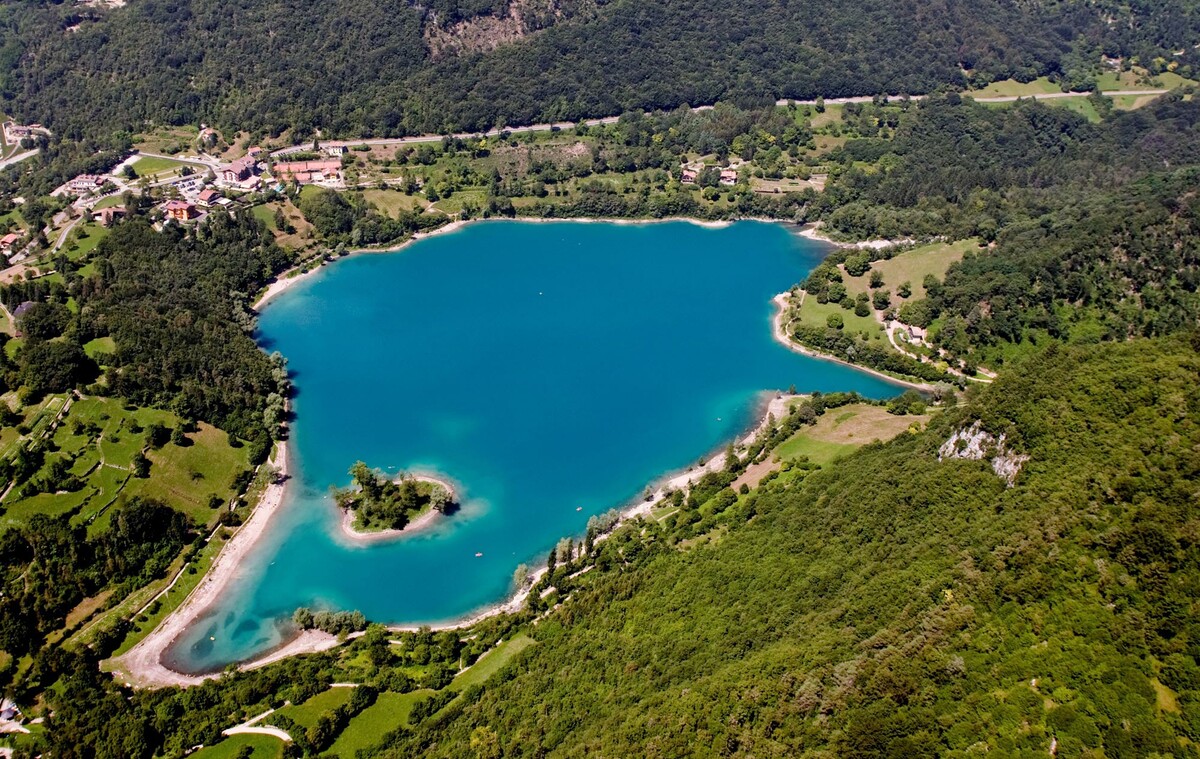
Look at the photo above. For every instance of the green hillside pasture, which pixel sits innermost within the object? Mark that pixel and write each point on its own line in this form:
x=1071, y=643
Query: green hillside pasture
x=262, y=746
x=492, y=662
x=307, y=713
x=843, y=430
x=911, y=266
x=385, y=715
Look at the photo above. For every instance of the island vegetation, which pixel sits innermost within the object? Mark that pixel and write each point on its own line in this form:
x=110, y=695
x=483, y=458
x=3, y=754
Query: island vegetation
x=381, y=503
x=1007, y=567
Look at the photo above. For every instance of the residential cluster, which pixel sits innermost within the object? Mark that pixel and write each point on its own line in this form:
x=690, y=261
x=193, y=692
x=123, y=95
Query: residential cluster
x=690, y=173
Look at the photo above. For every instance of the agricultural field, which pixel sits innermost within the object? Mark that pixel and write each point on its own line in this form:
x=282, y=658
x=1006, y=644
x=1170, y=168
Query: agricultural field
x=843, y=430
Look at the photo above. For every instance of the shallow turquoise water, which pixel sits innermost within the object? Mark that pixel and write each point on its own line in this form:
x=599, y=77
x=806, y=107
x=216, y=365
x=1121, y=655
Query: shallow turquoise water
x=543, y=367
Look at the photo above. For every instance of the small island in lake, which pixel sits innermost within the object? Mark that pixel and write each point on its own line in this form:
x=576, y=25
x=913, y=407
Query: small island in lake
x=377, y=505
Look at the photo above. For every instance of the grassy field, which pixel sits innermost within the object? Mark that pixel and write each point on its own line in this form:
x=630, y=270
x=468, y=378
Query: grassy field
x=1013, y=88
x=385, y=715
x=153, y=165
x=492, y=662
x=167, y=139
x=814, y=313
x=310, y=711
x=1131, y=102
x=911, y=266
x=293, y=240
x=842, y=430
x=84, y=239
x=98, y=346
x=392, y=202
x=112, y=201
x=262, y=746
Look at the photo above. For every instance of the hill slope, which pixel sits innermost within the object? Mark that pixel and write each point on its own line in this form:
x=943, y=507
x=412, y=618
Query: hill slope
x=351, y=66
x=896, y=605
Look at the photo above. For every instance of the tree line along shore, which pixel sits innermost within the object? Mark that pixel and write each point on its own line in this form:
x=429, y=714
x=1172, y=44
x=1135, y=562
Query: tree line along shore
x=1037, y=270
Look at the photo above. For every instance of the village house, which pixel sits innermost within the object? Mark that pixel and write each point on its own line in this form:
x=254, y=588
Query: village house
x=689, y=176
x=240, y=170
x=208, y=197
x=180, y=210
x=729, y=176
x=86, y=183
x=8, y=241
x=308, y=172
x=14, y=132
x=106, y=216
x=334, y=151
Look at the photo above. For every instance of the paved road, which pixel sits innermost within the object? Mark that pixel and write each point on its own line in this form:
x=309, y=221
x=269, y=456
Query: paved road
x=385, y=141
x=17, y=158
x=388, y=141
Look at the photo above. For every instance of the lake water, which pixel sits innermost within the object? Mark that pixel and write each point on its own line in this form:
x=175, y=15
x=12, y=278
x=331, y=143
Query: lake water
x=551, y=370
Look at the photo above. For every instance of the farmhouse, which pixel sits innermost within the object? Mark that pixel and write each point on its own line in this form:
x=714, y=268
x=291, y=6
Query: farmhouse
x=8, y=241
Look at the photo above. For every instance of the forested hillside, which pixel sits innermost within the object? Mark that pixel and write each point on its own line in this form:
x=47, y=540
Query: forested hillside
x=1093, y=226
x=901, y=606
x=356, y=67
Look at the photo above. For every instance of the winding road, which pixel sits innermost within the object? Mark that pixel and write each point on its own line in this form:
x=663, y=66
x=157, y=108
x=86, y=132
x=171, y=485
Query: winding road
x=427, y=138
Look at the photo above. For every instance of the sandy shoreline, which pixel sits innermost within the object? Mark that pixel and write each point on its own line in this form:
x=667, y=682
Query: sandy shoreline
x=423, y=523
x=142, y=665
x=813, y=232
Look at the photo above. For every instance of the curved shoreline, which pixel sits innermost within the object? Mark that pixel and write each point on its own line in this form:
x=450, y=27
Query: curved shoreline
x=143, y=663
x=782, y=338
x=424, y=522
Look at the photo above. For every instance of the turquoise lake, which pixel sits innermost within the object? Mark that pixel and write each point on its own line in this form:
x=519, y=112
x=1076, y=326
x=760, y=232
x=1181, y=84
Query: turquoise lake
x=551, y=370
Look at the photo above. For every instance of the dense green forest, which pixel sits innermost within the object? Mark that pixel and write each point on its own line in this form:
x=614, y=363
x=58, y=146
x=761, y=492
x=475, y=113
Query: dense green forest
x=177, y=307
x=354, y=67
x=905, y=602
x=1093, y=226
x=898, y=605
